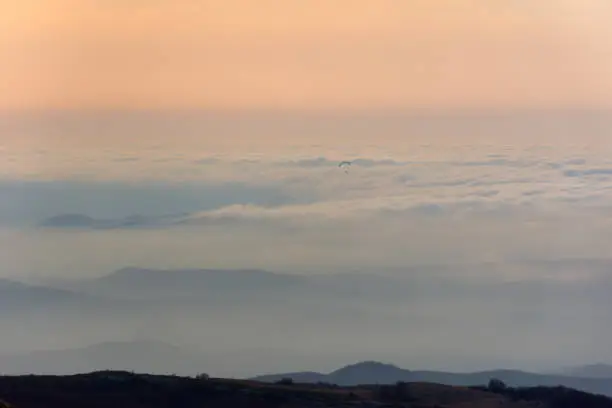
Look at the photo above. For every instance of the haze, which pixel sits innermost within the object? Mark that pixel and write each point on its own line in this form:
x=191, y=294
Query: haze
x=471, y=231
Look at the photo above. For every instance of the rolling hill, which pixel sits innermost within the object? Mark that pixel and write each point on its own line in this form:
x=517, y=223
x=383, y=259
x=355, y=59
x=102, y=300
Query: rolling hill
x=370, y=372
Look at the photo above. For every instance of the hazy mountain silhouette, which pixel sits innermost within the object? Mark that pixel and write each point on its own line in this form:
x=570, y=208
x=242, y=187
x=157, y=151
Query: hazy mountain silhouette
x=598, y=370
x=186, y=305
x=218, y=286
x=132, y=282
x=143, y=356
x=136, y=282
x=20, y=296
x=200, y=292
x=367, y=372
x=370, y=372
x=364, y=372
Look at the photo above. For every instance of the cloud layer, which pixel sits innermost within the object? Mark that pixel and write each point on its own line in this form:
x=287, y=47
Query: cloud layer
x=284, y=214
x=490, y=225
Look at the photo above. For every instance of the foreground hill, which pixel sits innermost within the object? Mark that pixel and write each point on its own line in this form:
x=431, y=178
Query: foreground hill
x=128, y=390
x=374, y=372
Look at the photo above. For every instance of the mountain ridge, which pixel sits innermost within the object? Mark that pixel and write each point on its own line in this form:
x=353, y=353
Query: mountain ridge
x=371, y=372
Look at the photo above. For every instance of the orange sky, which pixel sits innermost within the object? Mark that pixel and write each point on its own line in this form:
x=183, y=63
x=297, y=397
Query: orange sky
x=310, y=54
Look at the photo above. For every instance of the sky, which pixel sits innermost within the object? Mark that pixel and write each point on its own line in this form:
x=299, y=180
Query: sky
x=273, y=54
x=479, y=133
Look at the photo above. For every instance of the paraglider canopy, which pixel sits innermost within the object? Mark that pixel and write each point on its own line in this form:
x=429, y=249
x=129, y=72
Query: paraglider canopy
x=345, y=165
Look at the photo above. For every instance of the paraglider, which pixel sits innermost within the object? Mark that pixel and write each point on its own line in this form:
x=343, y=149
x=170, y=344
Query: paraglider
x=345, y=165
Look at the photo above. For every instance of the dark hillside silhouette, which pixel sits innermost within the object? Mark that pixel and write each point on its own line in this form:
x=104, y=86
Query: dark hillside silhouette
x=105, y=389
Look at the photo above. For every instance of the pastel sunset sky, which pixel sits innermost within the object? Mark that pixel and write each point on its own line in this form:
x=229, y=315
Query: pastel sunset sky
x=341, y=54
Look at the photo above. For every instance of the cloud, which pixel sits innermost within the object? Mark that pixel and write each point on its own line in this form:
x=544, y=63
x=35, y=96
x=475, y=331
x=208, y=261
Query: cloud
x=207, y=160
x=251, y=189
x=532, y=193
x=70, y=221
x=577, y=161
x=588, y=172
x=126, y=159
x=318, y=212
x=496, y=162
x=277, y=211
x=326, y=162
x=81, y=221
x=32, y=201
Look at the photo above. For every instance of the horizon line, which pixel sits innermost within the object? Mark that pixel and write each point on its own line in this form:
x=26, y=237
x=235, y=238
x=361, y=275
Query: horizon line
x=323, y=112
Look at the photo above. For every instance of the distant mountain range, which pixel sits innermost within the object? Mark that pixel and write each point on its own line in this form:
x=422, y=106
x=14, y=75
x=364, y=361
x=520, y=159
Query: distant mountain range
x=139, y=284
x=329, y=298
x=20, y=297
x=224, y=287
x=148, y=292
x=589, y=370
x=144, y=289
x=162, y=358
x=371, y=372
